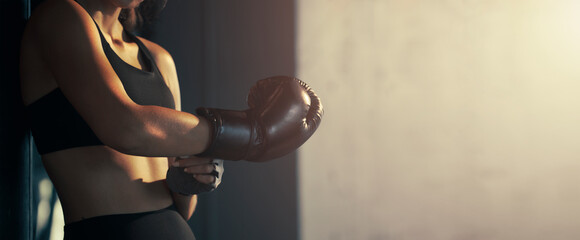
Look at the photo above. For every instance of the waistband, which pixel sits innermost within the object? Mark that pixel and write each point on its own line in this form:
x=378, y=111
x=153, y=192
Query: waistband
x=116, y=217
x=160, y=224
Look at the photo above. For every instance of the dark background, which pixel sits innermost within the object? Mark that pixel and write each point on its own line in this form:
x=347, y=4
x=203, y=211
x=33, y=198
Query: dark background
x=220, y=49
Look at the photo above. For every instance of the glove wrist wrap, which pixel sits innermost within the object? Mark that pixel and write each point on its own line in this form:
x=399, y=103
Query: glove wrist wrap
x=233, y=133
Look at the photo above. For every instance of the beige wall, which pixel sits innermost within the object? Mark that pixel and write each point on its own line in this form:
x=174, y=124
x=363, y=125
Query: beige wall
x=445, y=119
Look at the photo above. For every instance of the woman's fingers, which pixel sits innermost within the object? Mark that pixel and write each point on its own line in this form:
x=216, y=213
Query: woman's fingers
x=202, y=169
x=205, y=168
x=203, y=173
x=204, y=178
x=195, y=175
x=190, y=161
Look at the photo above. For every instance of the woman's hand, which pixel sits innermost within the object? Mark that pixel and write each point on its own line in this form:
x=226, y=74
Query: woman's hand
x=193, y=175
x=202, y=169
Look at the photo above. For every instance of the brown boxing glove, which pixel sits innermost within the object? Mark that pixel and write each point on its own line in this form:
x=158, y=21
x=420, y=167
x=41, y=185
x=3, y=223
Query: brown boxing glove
x=283, y=113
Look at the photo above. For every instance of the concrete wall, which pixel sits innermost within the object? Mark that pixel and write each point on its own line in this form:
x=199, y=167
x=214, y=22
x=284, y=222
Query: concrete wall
x=445, y=120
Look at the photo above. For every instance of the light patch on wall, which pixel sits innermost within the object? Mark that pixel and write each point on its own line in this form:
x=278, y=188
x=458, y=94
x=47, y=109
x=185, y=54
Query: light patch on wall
x=43, y=208
x=444, y=119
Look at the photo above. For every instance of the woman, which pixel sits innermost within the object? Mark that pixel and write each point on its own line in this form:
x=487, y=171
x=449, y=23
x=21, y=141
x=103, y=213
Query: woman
x=104, y=108
x=115, y=175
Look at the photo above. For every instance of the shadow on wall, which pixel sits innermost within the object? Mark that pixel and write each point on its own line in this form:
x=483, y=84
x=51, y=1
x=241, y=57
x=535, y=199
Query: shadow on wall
x=27, y=198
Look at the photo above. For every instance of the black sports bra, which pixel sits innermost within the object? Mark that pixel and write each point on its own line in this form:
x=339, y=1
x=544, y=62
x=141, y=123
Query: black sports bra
x=56, y=125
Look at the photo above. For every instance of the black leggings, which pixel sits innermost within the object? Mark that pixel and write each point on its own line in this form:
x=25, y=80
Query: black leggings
x=161, y=224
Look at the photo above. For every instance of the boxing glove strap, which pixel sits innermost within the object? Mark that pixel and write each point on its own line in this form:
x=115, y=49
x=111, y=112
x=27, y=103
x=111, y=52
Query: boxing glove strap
x=232, y=133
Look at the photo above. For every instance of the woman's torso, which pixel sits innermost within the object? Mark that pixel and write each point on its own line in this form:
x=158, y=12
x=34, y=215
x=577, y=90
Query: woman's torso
x=95, y=180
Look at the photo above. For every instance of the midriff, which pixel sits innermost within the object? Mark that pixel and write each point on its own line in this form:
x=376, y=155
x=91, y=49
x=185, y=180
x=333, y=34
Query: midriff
x=98, y=180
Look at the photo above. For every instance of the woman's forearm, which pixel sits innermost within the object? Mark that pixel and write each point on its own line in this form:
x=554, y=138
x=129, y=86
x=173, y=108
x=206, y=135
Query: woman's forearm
x=157, y=131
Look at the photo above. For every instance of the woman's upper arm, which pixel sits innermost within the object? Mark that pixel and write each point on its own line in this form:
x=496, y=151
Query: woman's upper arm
x=70, y=45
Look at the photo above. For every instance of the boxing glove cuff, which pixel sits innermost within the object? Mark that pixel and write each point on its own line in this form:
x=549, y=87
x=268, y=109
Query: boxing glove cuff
x=232, y=133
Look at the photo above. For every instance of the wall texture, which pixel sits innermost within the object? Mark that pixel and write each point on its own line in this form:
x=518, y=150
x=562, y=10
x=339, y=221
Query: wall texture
x=445, y=120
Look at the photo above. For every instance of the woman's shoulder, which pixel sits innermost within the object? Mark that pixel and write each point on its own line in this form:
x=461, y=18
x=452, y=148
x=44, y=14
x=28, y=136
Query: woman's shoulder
x=159, y=53
x=57, y=9
x=162, y=57
x=59, y=16
x=166, y=66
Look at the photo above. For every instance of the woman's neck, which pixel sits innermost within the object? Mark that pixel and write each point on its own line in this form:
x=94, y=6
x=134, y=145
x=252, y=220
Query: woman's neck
x=105, y=14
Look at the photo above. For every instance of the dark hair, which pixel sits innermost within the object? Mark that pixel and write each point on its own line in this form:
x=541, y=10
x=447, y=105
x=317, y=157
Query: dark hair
x=133, y=19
